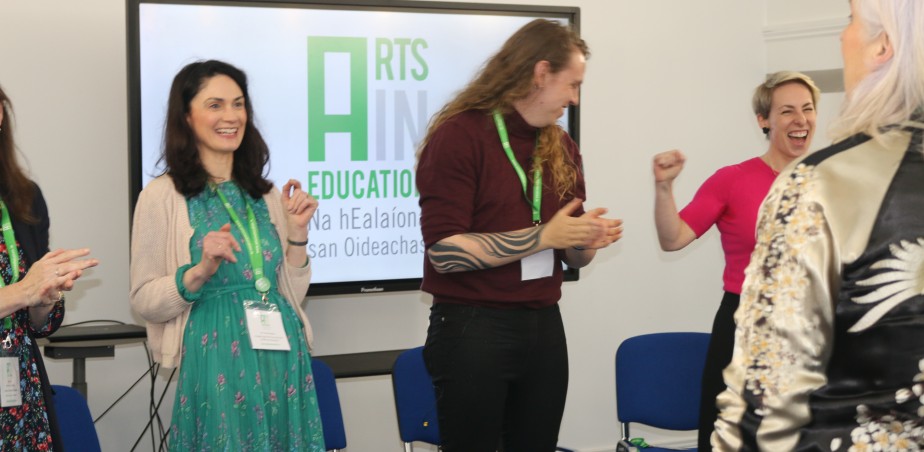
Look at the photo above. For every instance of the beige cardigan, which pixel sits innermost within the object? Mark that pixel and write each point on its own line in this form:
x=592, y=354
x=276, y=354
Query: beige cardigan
x=160, y=245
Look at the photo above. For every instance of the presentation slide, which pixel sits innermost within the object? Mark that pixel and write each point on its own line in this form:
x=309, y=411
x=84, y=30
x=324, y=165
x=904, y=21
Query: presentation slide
x=342, y=97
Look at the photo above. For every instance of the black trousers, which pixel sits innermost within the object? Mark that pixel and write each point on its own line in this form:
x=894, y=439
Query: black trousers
x=721, y=347
x=500, y=376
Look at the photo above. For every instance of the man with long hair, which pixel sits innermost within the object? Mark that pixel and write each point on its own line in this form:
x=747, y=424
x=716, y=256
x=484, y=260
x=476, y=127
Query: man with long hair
x=501, y=190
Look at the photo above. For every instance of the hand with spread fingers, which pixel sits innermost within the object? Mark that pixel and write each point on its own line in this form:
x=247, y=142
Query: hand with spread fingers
x=608, y=230
x=589, y=231
x=54, y=273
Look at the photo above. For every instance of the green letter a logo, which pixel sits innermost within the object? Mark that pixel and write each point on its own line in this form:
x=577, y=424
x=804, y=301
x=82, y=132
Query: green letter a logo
x=356, y=121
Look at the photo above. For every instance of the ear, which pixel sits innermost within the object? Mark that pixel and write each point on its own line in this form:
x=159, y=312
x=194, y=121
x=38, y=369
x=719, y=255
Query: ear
x=541, y=71
x=884, y=52
x=763, y=122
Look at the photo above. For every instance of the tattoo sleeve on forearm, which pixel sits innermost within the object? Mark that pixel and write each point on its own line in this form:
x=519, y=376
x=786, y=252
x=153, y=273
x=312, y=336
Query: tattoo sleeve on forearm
x=453, y=257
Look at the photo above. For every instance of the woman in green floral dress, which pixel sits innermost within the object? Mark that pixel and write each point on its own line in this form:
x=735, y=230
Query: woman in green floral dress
x=219, y=268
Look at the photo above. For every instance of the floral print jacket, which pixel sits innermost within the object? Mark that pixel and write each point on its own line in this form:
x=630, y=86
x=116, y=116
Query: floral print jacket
x=829, y=346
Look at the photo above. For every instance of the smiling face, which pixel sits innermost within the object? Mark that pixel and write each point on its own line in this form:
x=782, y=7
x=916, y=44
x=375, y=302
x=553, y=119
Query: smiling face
x=556, y=91
x=791, y=120
x=217, y=116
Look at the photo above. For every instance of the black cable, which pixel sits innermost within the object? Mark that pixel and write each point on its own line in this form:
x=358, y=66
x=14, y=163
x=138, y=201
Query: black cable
x=119, y=322
x=163, y=440
x=163, y=434
x=123, y=394
x=151, y=420
x=151, y=412
x=153, y=409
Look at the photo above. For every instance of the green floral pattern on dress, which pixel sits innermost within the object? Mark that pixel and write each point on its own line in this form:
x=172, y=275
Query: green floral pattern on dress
x=230, y=396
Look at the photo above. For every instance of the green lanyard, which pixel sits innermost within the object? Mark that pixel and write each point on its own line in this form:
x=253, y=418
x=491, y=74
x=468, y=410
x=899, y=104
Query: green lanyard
x=251, y=240
x=12, y=251
x=537, y=174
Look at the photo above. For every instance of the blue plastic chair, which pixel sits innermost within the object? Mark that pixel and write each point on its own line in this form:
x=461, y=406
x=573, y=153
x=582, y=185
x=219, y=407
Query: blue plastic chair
x=329, y=405
x=415, y=400
x=75, y=420
x=658, y=380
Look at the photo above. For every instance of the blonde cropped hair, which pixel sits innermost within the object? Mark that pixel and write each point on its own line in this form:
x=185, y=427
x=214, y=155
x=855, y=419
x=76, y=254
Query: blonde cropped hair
x=763, y=94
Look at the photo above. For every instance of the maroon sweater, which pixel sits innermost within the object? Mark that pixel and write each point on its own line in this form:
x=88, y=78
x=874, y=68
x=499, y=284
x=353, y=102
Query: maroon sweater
x=467, y=184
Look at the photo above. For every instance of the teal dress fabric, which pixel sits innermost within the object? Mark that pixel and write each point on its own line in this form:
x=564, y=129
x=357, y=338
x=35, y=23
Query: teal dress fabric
x=229, y=396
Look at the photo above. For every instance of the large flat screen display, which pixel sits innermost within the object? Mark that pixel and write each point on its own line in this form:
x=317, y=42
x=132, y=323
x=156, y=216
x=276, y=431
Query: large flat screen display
x=342, y=93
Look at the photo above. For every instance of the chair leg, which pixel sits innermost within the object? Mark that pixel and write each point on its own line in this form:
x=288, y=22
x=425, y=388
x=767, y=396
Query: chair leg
x=408, y=447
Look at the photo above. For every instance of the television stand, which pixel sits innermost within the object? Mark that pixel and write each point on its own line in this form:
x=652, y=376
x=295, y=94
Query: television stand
x=81, y=342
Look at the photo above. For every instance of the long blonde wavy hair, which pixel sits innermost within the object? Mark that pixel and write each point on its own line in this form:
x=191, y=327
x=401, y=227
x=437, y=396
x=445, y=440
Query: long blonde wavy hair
x=508, y=77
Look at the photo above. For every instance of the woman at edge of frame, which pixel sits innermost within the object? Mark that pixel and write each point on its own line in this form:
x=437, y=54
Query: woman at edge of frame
x=32, y=284
x=828, y=346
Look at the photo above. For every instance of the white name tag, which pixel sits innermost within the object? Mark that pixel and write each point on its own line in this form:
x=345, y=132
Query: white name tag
x=266, y=329
x=10, y=394
x=539, y=265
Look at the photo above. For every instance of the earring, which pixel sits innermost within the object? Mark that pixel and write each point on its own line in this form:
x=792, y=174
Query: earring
x=766, y=130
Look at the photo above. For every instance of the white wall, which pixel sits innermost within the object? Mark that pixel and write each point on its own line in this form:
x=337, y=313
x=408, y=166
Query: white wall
x=662, y=75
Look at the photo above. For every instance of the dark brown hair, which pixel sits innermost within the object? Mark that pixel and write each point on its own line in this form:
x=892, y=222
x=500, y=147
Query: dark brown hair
x=181, y=154
x=16, y=189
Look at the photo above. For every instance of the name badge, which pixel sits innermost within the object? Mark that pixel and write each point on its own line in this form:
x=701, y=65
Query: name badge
x=10, y=394
x=539, y=265
x=264, y=325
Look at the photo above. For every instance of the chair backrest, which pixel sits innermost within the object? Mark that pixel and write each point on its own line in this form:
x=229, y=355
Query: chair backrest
x=415, y=399
x=329, y=405
x=75, y=420
x=658, y=379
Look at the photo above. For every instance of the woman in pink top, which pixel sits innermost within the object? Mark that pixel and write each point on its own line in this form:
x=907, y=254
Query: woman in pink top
x=785, y=109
